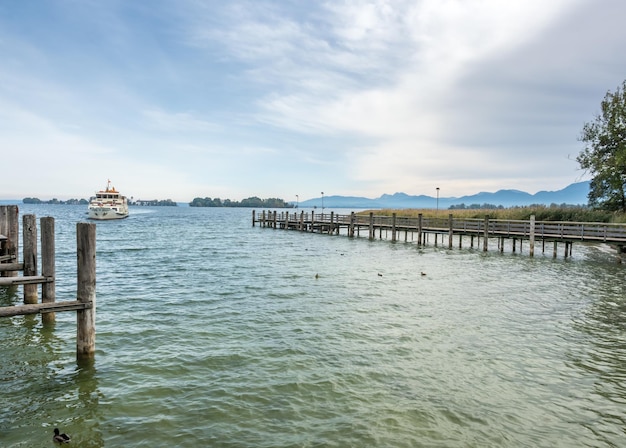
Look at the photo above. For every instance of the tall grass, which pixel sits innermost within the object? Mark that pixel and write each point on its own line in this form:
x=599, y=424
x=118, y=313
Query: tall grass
x=542, y=213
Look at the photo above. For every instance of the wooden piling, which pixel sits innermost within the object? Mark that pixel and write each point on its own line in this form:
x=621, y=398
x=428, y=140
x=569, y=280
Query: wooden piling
x=532, y=235
x=48, y=269
x=9, y=227
x=86, y=290
x=29, y=238
x=486, y=235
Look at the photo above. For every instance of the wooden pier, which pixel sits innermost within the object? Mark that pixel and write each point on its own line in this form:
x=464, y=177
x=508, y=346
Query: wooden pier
x=11, y=266
x=421, y=229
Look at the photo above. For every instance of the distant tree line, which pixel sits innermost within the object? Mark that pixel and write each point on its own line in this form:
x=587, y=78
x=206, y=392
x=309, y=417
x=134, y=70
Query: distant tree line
x=155, y=202
x=475, y=207
x=55, y=201
x=248, y=202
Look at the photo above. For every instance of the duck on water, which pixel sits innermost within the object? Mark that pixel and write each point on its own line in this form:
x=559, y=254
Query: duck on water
x=60, y=438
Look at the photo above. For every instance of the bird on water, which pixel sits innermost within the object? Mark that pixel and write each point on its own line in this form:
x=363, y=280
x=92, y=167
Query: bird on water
x=60, y=438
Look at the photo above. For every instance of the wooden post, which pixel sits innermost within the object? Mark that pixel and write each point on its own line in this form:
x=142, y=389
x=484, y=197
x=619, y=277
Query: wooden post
x=86, y=290
x=263, y=219
x=29, y=238
x=253, y=213
x=486, y=236
x=9, y=227
x=393, y=227
x=419, y=229
x=450, y=233
x=301, y=220
x=332, y=220
x=312, y=220
x=554, y=250
x=274, y=220
x=532, y=235
x=48, y=269
x=371, y=236
x=351, y=226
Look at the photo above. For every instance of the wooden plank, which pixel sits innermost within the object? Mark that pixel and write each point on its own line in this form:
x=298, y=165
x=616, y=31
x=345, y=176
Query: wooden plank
x=25, y=280
x=11, y=266
x=36, y=308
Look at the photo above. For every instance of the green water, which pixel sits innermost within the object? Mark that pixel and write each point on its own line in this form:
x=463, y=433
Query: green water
x=214, y=333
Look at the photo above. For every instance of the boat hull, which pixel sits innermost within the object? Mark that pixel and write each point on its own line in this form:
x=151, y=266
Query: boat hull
x=105, y=213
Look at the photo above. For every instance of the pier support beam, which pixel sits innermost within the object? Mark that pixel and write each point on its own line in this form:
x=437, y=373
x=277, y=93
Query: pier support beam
x=29, y=237
x=532, y=235
x=48, y=269
x=86, y=290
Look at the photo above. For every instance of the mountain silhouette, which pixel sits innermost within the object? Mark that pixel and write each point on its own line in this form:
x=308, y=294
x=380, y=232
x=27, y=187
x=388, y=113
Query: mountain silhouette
x=574, y=194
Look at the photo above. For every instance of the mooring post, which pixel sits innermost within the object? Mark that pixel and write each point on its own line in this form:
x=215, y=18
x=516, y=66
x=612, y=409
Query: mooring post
x=532, y=235
x=312, y=220
x=86, y=290
x=371, y=235
x=9, y=227
x=486, y=236
x=332, y=220
x=48, y=269
x=253, y=213
x=419, y=229
x=450, y=233
x=351, y=225
x=301, y=225
x=29, y=238
x=393, y=227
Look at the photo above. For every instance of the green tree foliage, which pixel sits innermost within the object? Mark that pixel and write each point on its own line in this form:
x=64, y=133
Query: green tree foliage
x=248, y=202
x=604, y=155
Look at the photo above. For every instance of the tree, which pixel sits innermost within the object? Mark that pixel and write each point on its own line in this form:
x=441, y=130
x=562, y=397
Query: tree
x=604, y=155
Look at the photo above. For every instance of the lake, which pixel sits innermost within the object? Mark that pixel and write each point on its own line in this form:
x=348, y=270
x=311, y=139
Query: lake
x=215, y=333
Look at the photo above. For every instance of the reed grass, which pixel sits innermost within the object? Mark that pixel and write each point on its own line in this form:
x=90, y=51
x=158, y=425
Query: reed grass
x=542, y=213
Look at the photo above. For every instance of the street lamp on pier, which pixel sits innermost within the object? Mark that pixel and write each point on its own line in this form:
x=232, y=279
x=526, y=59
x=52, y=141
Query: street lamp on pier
x=322, y=203
x=437, y=200
x=297, y=201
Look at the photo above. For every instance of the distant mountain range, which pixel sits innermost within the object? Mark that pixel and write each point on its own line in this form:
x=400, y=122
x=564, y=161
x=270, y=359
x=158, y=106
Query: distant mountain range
x=574, y=194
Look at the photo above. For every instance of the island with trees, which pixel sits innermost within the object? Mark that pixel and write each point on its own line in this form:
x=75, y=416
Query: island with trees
x=248, y=202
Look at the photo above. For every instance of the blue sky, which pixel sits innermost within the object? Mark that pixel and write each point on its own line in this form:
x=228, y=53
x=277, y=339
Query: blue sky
x=177, y=99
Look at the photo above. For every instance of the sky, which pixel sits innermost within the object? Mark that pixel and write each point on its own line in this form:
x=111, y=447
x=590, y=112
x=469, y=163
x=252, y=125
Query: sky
x=178, y=99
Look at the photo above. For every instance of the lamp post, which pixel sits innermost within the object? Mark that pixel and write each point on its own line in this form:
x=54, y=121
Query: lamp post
x=437, y=200
x=297, y=201
x=322, y=204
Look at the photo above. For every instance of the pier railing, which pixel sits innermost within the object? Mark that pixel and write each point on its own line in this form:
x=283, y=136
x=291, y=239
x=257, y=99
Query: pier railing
x=553, y=231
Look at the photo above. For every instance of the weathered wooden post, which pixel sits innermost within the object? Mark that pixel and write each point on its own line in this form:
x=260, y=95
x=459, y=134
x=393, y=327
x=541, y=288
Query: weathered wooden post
x=486, y=236
x=312, y=220
x=274, y=220
x=86, y=291
x=393, y=227
x=301, y=220
x=450, y=233
x=29, y=238
x=48, y=269
x=253, y=213
x=532, y=235
x=371, y=228
x=419, y=229
x=351, y=225
x=9, y=227
x=332, y=220
x=263, y=219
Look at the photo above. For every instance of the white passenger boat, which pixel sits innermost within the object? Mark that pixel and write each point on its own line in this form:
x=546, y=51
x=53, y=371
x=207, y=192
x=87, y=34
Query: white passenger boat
x=108, y=204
